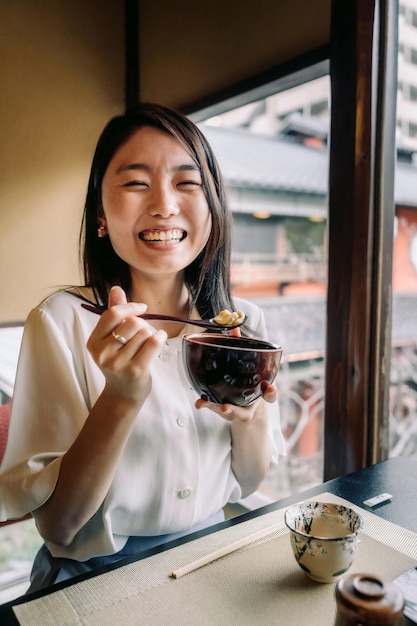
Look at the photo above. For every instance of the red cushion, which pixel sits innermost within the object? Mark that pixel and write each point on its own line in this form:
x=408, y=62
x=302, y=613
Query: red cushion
x=4, y=429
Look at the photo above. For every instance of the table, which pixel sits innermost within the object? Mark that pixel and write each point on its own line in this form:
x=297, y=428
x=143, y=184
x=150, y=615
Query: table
x=398, y=476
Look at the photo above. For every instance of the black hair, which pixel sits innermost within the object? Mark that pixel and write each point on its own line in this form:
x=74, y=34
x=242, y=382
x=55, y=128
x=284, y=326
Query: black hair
x=208, y=276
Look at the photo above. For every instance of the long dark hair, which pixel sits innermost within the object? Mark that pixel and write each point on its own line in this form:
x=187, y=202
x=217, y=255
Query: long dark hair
x=208, y=276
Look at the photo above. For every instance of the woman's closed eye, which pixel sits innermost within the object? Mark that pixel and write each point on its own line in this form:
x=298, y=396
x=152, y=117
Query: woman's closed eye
x=135, y=183
x=189, y=183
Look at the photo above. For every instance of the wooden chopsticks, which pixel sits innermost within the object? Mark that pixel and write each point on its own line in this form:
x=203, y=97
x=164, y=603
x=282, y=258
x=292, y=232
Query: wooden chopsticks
x=232, y=547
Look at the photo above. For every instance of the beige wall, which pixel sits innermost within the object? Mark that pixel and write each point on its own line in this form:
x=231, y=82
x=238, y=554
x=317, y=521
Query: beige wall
x=62, y=78
x=189, y=50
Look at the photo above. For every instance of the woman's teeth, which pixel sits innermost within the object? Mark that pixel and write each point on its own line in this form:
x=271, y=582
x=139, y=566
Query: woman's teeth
x=162, y=235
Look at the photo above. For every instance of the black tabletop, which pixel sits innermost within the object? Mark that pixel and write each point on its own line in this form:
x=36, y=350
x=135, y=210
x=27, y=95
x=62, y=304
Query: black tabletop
x=397, y=476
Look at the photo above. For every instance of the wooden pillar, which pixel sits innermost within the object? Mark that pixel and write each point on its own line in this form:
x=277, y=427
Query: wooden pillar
x=361, y=212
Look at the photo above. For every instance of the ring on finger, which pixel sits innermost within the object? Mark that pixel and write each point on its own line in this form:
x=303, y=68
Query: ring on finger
x=119, y=338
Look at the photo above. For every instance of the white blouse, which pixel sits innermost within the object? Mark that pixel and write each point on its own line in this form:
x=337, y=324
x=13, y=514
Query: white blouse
x=175, y=470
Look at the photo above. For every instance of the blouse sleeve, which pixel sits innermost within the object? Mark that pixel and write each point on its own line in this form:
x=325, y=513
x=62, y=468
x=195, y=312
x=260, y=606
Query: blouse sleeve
x=48, y=411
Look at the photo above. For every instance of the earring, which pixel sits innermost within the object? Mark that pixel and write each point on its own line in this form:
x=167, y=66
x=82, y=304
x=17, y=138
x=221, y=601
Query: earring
x=102, y=232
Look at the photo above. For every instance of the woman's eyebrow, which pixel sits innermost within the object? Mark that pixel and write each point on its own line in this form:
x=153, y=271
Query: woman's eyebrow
x=187, y=167
x=126, y=167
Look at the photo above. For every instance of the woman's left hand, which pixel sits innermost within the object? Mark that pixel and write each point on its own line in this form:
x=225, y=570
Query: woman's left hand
x=232, y=412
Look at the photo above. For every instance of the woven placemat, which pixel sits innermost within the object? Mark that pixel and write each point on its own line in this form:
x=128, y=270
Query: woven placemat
x=260, y=584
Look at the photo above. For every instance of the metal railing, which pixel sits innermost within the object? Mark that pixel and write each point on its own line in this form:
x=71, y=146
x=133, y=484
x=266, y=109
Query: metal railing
x=253, y=268
x=302, y=419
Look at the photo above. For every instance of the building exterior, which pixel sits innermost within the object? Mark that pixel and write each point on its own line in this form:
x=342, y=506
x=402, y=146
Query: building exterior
x=277, y=190
x=407, y=74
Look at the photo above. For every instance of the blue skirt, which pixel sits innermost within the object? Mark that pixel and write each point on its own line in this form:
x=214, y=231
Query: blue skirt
x=48, y=570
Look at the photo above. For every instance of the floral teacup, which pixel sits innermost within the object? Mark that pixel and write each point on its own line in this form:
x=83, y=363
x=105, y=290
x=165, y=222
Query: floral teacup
x=324, y=538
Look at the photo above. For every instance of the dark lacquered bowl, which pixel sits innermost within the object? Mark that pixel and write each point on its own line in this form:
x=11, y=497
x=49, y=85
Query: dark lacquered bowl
x=229, y=369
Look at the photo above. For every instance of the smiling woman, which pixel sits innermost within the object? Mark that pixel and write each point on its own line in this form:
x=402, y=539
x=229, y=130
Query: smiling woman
x=109, y=448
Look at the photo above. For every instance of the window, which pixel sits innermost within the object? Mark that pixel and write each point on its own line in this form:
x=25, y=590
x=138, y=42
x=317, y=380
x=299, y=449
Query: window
x=319, y=108
x=412, y=129
x=292, y=234
x=403, y=369
x=273, y=154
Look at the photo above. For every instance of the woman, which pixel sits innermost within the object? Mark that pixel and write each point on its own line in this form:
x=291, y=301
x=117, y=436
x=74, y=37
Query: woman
x=109, y=448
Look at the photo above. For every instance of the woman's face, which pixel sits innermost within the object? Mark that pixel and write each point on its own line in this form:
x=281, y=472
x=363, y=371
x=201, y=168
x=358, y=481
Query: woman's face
x=154, y=204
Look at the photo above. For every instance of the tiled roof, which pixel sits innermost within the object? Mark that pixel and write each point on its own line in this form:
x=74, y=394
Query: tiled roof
x=279, y=163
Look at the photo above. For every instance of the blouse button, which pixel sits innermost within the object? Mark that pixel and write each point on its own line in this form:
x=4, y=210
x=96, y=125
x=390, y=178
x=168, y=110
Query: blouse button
x=164, y=356
x=184, y=493
x=180, y=422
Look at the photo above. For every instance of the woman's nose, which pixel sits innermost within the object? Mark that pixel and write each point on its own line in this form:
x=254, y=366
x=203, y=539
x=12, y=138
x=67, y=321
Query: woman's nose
x=163, y=202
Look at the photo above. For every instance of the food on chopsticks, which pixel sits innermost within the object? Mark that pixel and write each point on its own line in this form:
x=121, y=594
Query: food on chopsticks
x=229, y=318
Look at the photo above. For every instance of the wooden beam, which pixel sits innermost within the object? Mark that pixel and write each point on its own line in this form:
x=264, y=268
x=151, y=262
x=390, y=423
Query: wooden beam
x=132, y=88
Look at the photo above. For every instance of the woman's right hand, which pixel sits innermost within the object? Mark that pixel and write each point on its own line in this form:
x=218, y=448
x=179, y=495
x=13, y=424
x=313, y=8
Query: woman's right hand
x=88, y=467
x=123, y=346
